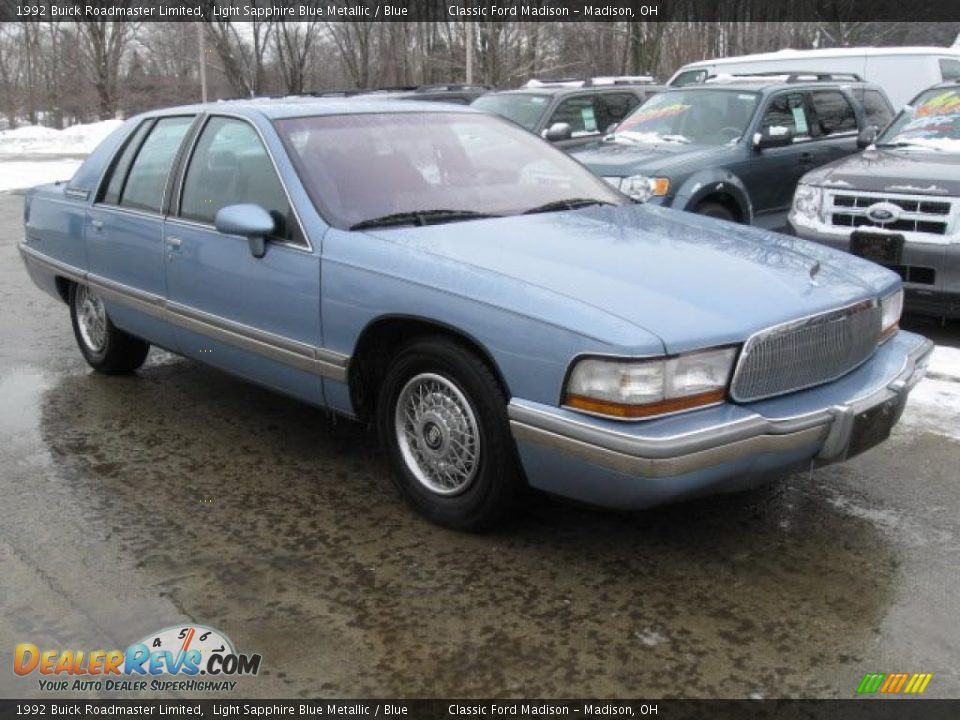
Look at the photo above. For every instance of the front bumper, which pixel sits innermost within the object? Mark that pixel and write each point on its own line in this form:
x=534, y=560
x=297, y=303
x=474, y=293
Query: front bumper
x=725, y=448
x=930, y=271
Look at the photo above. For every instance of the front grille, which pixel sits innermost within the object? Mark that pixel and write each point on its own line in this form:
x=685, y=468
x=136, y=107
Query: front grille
x=918, y=215
x=807, y=352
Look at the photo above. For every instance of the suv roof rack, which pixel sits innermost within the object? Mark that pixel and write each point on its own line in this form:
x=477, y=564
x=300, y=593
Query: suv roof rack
x=597, y=81
x=792, y=76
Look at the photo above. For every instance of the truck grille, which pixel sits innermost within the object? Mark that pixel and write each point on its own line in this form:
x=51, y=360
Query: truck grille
x=918, y=214
x=807, y=352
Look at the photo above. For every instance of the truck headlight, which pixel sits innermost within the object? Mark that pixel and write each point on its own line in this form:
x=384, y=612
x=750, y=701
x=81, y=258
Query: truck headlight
x=624, y=388
x=890, y=309
x=642, y=188
x=807, y=201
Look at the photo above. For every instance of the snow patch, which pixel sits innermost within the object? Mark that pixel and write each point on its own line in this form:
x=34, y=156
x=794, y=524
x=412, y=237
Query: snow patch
x=19, y=175
x=932, y=189
x=74, y=140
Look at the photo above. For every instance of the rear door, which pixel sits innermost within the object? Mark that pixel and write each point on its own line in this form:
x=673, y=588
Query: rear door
x=834, y=127
x=614, y=107
x=124, y=234
x=255, y=317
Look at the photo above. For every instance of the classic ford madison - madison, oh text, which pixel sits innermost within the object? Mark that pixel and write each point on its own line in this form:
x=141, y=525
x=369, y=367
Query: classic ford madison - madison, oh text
x=507, y=319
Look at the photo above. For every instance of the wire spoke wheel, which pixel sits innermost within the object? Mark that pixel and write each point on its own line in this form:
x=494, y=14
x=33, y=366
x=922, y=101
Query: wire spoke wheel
x=438, y=434
x=91, y=319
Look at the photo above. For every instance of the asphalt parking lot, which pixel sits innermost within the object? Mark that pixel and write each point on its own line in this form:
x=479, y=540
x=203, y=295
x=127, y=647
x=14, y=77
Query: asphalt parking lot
x=180, y=494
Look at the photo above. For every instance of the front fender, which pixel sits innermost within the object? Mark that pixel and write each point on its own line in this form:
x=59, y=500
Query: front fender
x=714, y=181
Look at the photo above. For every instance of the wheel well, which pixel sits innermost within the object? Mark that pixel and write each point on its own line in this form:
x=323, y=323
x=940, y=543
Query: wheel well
x=378, y=345
x=727, y=201
x=63, y=288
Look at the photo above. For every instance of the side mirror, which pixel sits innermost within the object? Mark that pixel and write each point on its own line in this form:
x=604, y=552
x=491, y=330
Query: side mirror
x=558, y=131
x=250, y=221
x=773, y=137
x=867, y=136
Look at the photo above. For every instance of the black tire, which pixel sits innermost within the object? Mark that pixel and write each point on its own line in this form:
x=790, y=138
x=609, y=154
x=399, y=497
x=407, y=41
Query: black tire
x=714, y=210
x=496, y=488
x=119, y=354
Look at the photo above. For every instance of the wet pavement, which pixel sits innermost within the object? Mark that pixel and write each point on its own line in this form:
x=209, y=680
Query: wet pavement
x=182, y=495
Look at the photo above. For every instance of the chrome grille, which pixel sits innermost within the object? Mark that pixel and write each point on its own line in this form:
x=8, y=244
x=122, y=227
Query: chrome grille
x=918, y=214
x=807, y=352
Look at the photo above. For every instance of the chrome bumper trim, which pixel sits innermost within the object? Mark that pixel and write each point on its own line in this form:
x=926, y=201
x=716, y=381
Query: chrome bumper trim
x=669, y=456
x=316, y=360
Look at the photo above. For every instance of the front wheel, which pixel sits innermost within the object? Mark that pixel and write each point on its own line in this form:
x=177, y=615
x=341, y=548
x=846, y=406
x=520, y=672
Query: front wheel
x=442, y=417
x=105, y=347
x=714, y=210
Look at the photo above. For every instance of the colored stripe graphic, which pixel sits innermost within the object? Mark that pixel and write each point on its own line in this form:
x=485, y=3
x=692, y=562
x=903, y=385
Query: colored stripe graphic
x=894, y=683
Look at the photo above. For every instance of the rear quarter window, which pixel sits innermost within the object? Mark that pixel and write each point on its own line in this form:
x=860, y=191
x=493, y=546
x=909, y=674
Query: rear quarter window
x=876, y=108
x=949, y=69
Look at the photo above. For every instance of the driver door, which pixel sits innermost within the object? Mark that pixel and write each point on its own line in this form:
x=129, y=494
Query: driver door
x=255, y=317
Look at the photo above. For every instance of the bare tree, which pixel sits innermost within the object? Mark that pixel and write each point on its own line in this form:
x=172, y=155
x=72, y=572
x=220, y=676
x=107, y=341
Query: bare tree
x=102, y=46
x=293, y=42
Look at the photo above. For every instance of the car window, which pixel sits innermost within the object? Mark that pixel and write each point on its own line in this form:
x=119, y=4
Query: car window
x=522, y=108
x=834, y=113
x=689, y=77
x=147, y=179
x=616, y=106
x=701, y=115
x=877, y=108
x=110, y=193
x=364, y=166
x=579, y=113
x=788, y=111
x=230, y=166
x=949, y=69
x=932, y=121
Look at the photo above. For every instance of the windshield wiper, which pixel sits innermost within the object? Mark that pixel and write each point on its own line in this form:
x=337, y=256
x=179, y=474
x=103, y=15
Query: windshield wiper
x=905, y=143
x=420, y=217
x=677, y=139
x=567, y=204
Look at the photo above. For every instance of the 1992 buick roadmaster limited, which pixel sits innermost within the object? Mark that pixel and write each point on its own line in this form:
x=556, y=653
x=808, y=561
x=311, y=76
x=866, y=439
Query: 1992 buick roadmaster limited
x=505, y=317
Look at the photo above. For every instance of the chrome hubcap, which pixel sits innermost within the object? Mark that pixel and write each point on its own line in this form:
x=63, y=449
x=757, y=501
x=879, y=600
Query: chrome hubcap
x=91, y=319
x=438, y=434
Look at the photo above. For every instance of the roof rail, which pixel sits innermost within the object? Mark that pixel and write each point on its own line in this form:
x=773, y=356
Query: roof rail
x=453, y=87
x=803, y=75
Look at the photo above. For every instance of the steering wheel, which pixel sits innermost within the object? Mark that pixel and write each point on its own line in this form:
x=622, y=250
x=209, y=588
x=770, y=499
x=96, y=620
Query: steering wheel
x=731, y=131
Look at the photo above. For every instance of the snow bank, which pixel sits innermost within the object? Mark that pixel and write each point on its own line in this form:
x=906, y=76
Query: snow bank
x=934, y=404
x=19, y=175
x=74, y=140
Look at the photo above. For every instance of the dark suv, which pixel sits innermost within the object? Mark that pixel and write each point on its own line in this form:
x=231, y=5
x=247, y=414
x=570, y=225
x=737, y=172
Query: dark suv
x=568, y=116
x=735, y=147
x=898, y=202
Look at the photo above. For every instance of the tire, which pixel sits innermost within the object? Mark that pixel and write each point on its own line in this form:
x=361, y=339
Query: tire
x=442, y=417
x=105, y=347
x=714, y=210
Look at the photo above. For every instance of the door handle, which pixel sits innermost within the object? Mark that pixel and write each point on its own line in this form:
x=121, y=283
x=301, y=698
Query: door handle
x=174, y=242
x=96, y=224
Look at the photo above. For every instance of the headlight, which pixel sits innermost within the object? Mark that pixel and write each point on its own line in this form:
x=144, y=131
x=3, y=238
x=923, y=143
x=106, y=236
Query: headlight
x=642, y=188
x=807, y=201
x=890, y=308
x=643, y=388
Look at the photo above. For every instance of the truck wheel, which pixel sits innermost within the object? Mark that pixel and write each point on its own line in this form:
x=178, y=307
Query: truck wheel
x=443, y=418
x=105, y=347
x=714, y=210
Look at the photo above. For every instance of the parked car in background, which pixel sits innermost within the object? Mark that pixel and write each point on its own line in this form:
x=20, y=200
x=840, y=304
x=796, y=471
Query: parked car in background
x=898, y=202
x=568, y=113
x=504, y=316
x=902, y=72
x=734, y=148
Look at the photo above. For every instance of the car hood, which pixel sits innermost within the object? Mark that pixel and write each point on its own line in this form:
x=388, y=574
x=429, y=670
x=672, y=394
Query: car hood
x=616, y=159
x=690, y=280
x=921, y=172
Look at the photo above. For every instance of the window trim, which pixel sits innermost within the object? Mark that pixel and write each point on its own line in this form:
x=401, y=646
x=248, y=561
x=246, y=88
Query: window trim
x=176, y=201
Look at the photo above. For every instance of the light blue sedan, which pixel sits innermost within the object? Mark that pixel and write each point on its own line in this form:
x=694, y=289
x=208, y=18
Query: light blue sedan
x=506, y=319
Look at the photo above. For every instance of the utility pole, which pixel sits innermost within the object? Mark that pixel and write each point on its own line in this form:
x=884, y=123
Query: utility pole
x=203, y=61
x=469, y=42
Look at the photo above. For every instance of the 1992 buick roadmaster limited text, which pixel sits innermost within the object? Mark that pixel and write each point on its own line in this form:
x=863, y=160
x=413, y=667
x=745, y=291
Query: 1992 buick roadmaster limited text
x=505, y=317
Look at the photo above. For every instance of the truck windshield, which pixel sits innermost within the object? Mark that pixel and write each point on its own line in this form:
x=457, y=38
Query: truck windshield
x=524, y=109
x=931, y=122
x=369, y=169
x=703, y=117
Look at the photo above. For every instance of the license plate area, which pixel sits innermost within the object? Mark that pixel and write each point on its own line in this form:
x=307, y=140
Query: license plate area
x=873, y=426
x=879, y=247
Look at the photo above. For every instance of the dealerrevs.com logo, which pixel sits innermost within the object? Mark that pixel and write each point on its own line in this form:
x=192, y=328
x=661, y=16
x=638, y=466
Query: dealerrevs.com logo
x=199, y=658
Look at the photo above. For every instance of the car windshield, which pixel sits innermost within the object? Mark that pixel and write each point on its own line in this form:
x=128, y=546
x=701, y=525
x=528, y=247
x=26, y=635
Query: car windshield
x=932, y=122
x=703, y=117
x=414, y=168
x=525, y=109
